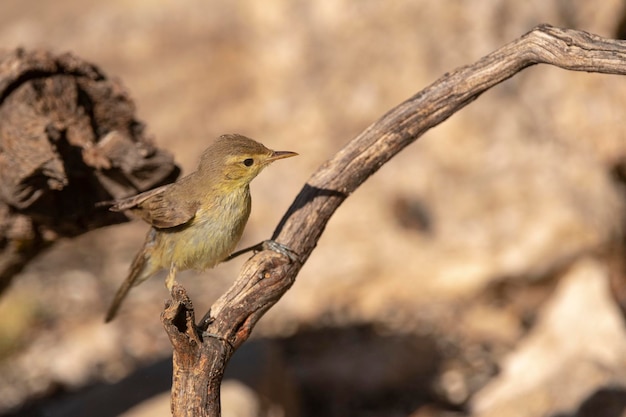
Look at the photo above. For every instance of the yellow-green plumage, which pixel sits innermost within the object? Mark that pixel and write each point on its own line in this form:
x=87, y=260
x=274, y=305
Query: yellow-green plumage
x=198, y=220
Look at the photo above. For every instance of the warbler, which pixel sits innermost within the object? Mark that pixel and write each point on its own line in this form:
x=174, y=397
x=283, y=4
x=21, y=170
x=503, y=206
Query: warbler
x=198, y=220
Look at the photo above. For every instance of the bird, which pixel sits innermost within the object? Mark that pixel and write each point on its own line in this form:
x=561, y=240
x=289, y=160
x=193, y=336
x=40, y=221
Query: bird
x=197, y=221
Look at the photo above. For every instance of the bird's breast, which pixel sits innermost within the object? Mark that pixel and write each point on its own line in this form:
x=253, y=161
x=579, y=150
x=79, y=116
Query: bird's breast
x=210, y=236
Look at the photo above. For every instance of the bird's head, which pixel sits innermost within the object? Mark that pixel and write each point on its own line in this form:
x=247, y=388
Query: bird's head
x=239, y=159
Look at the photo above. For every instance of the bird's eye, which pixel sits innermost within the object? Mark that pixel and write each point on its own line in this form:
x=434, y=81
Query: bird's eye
x=248, y=162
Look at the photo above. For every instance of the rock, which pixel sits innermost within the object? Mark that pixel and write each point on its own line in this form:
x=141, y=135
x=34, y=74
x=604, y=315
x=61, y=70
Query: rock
x=575, y=350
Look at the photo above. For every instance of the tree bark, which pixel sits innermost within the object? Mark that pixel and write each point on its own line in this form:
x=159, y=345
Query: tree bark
x=68, y=139
x=201, y=352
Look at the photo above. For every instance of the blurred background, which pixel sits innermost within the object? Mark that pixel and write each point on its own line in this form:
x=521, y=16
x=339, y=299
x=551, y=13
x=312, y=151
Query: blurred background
x=477, y=273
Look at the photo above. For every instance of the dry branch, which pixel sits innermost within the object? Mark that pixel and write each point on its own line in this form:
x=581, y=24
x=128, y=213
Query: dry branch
x=201, y=353
x=68, y=139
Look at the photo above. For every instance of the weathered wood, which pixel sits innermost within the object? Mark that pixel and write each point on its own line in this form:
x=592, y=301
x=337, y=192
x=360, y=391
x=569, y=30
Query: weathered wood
x=68, y=139
x=268, y=275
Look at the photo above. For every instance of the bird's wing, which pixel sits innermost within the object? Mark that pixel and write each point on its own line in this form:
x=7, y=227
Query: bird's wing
x=132, y=202
x=165, y=210
x=161, y=209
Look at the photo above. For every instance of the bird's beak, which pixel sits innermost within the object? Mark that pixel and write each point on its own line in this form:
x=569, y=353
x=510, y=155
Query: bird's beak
x=280, y=155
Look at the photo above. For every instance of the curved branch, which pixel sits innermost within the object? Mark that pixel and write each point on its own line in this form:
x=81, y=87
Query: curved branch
x=268, y=275
x=305, y=220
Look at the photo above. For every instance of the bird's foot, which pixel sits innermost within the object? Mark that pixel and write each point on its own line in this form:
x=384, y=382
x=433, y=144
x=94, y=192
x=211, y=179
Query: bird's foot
x=206, y=320
x=170, y=283
x=267, y=245
x=280, y=248
x=170, y=280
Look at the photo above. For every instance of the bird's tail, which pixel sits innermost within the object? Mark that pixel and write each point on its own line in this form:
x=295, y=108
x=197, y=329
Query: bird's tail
x=139, y=271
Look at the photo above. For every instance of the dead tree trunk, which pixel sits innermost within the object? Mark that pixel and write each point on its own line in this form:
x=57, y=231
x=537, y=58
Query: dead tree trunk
x=68, y=139
x=202, y=352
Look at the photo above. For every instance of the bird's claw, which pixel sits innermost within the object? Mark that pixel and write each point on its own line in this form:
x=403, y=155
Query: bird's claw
x=206, y=321
x=279, y=248
x=267, y=245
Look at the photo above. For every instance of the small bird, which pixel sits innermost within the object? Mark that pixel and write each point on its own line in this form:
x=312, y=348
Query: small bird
x=198, y=220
